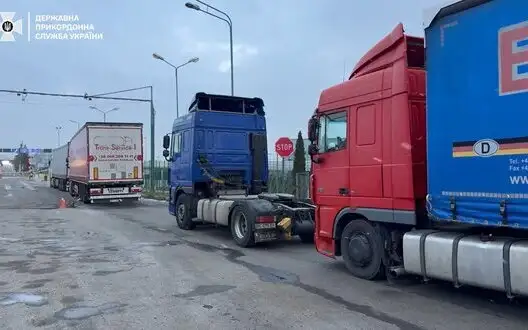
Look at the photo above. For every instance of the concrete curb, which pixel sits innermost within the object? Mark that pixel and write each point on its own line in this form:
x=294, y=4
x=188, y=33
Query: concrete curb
x=153, y=201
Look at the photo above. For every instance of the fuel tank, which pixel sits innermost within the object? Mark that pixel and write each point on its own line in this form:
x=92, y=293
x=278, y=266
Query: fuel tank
x=497, y=264
x=214, y=211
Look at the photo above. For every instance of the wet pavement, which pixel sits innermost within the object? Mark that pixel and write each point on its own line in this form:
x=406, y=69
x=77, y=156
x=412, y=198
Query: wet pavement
x=129, y=267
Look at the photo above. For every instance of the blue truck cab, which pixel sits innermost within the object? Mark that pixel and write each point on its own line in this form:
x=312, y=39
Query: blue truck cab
x=219, y=145
x=218, y=173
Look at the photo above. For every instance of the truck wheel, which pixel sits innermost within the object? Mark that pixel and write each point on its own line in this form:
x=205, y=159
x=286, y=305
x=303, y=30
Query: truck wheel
x=306, y=238
x=85, y=198
x=362, y=249
x=184, y=212
x=242, y=224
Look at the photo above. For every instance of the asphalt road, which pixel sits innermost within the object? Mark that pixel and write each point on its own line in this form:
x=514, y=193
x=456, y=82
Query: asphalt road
x=130, y=267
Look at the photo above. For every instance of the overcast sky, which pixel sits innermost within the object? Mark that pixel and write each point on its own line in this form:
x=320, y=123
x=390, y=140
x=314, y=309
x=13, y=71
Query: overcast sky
x=286, y=52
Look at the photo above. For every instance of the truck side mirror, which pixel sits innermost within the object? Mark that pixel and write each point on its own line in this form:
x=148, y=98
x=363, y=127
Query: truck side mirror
x=166, y=142
x=313, y=124
x=313, y=151
x=165, y=153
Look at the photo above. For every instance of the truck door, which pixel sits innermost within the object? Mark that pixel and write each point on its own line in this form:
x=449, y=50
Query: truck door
x=331, y=175
x=366, y=159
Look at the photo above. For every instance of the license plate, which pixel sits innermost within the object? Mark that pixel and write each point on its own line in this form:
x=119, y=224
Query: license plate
x=265, y=225
x=264, y=236
x=112, y=191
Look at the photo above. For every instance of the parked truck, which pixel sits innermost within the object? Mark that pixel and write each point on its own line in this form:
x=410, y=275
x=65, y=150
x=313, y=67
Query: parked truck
x=441, y=193
x=58, y=168
x=219, y=173
x=105, y=162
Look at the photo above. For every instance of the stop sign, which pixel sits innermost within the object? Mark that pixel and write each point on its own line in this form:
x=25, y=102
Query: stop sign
x=284, y=147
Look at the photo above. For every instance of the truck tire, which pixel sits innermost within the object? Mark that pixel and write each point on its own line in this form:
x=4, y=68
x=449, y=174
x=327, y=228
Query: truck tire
x=83, y=193
x=362, y=250
x=184, y=212
x=85, y=198
x=241, y=224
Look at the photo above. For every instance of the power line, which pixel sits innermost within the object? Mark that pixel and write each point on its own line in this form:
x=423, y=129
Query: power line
x=60, y=104
x=24, y=92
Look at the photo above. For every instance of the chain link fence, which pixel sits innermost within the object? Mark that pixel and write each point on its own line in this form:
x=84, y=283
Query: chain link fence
x=281, y=178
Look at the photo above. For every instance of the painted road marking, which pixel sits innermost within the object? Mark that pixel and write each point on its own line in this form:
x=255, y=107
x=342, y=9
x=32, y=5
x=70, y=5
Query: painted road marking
x=27, y=185
x=8, y=188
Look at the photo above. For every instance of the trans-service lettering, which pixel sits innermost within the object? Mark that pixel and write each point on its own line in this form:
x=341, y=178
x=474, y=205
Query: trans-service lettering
x=113, y=147
x=513, y=59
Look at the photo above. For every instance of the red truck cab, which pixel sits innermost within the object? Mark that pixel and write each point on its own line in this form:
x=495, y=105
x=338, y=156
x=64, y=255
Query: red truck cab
x=368, y=150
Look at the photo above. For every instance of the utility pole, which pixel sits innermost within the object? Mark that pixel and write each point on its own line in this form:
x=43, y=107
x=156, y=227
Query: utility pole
x=58, y=128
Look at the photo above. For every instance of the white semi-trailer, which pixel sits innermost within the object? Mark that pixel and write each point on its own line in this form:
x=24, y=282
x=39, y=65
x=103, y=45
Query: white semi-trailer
x=59, y=168
x=106, y=162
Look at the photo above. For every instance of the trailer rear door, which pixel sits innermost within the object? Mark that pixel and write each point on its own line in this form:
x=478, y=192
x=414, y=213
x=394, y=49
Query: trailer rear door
x=115, y=153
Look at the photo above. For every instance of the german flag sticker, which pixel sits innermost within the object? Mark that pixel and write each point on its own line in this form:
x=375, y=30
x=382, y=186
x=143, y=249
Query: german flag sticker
x=490, y=147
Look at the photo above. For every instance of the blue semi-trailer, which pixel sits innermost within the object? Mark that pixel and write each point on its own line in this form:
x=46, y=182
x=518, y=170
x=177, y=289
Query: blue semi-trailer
x=477, y=147
x=440, y=190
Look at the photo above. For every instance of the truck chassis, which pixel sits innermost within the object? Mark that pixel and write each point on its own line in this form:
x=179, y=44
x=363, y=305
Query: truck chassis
x=252, y=219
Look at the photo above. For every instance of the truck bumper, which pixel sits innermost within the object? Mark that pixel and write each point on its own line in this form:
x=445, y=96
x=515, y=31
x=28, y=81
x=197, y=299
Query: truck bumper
x=113, y=197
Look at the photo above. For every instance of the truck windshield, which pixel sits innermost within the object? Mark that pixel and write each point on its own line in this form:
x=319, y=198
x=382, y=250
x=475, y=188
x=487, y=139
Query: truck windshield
x=332, y=134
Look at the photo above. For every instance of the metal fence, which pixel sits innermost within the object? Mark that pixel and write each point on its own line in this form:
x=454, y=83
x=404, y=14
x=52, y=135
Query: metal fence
x=280, y=179
x=160, y=175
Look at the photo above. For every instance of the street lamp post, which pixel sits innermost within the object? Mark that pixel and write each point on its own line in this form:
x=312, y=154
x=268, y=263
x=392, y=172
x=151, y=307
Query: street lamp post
x=76, y=122
x=176, y=67
x=58, y=128
x=227, y=19
x=104, y=112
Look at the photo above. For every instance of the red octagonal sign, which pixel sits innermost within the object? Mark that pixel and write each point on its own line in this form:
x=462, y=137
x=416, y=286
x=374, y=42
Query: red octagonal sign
x=284, y=147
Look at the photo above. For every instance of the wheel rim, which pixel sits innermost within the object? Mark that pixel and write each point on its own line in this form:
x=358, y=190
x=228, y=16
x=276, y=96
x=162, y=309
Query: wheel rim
x=180, y=213
x=360, y=250
x=240, y=225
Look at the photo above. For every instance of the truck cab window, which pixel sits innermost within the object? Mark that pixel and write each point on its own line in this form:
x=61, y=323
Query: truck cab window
x=332, y=136
x=176, y=143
